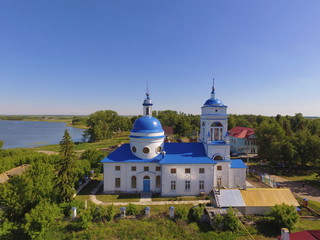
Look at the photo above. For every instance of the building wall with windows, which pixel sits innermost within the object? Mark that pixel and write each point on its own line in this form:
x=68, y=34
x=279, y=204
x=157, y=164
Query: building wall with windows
x=126, y=173
x=184, y=180
x=243, y=140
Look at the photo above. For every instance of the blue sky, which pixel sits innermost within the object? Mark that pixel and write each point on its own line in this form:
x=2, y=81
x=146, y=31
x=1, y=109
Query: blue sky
x=77, y=57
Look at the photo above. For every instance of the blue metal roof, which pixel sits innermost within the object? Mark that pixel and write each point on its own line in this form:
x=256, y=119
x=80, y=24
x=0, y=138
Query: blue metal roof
x=237, y=163
x=185, y=153
x=124, y=154
x=176, y=153
x=213, y=102
x=147, y=124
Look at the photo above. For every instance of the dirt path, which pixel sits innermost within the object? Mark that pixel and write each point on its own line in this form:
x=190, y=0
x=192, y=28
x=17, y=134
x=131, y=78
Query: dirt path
x=307, y=191
x=48, y=152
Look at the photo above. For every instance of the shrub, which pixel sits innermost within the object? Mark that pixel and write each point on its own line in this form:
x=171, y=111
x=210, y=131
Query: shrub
x=284, y=216
x=196, y=213
x=110, y=213
x=230, y=221
x=66, y=207
x=182, y=212
x=83, y=222
x=132, y=209
x=98, y=213
x=218, y=222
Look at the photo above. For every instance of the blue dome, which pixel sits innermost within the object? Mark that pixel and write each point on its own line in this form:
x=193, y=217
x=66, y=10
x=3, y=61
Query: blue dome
x=213, y=102
x=147, y=124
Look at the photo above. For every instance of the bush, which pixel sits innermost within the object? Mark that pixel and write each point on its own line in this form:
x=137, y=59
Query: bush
x=182, y=212
x=196, y=213
x=83, y=222
x=66, y=207
x=230, y=221
x=98, y=213
x=110, y=213
x=132, y=209
x=284, y=216
x=218, y=222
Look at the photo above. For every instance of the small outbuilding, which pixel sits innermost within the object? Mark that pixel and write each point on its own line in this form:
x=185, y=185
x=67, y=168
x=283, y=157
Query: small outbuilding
x=257, y=201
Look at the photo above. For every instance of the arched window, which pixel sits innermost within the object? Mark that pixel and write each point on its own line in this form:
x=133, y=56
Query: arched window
x=158, y=181
x=133, y=182
x=216, y=131
x=217, y=157
x=203, y=129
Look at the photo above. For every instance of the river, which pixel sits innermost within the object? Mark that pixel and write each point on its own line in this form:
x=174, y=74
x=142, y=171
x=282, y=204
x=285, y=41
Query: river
x=16, y=134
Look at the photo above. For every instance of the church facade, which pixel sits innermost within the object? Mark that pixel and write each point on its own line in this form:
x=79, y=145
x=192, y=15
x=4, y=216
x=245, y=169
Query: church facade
x=148, y=164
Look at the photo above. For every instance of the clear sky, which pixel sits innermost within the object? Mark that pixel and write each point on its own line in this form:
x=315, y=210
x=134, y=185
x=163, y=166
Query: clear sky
x=77, y=57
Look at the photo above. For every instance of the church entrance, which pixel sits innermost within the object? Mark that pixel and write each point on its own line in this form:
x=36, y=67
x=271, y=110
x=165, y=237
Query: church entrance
x=146, y=184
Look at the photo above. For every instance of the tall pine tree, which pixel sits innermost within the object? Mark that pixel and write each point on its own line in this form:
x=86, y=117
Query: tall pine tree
x=66, y=170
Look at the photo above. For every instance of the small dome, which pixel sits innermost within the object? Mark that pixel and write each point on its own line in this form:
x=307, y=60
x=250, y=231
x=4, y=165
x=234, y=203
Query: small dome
x=213, y=102
x=147, y=124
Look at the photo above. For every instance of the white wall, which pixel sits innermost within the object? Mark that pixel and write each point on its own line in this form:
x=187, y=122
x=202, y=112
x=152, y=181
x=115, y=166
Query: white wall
x=125, y=174
x=237, y=178
x=180, y=177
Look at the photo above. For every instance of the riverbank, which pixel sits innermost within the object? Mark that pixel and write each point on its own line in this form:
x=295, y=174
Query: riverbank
x=44, y=118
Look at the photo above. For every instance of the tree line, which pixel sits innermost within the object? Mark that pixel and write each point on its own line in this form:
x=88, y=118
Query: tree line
x=103, y=124
x=290, y=141
x=286, y=140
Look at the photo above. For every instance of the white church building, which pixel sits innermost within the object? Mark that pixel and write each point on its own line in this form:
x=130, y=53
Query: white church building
x=148, y=164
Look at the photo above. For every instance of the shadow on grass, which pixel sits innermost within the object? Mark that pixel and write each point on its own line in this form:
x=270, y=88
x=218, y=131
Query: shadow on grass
x=266, y=227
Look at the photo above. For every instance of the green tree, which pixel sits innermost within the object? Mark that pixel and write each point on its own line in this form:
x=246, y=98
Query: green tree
x=231, y=122
x=270, y=139
x=65, y=170
x=39, y=173
x=298, y=122
x=40, y=219
x=1, y=144
x=284, y=216
x=16, y=197
x=101, y=125
x=94, y=157
x=230, y=221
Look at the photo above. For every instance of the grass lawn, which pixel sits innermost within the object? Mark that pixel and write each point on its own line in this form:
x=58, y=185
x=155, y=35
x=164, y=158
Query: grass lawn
x=304, y=224
x=311, y=177
x=118, y=198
